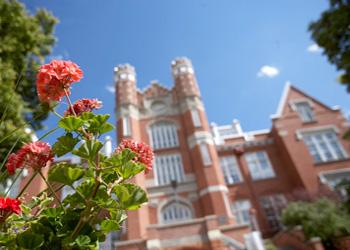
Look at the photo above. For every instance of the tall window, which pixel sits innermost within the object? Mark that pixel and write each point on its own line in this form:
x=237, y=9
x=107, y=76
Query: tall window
x=175, y=211
x=230, y=169
x=259, y=165
x=126, y=126
x=324, y=146
x=203, y=147
x=168, y=168
x=196, y=118
x=240, y=210
x=305, y=112
x=273, y=206
x=164, y=135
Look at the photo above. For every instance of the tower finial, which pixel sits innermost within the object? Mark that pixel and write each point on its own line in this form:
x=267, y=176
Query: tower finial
x=124, y=72
x=181, y=65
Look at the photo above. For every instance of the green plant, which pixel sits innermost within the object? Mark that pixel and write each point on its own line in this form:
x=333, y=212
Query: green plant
x=102, y=194
x=323, y=218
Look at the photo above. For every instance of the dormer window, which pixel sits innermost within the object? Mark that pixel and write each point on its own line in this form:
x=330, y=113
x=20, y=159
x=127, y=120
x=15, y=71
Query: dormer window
x=304, y=110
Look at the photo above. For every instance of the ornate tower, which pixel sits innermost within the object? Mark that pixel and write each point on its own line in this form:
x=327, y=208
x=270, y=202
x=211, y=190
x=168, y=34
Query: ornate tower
x=212, y=189
x=127, y=114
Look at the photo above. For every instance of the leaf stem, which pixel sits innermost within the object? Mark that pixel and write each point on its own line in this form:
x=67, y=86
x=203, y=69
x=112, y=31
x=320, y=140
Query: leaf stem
x=27, y=184
x=51, y=189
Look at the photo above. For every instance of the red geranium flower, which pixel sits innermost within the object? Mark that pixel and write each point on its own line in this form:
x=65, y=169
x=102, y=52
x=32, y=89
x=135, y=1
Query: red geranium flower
x=9, y=206
x=53, y=78
x=144, y=153
x=83, y=105
x=35, y=155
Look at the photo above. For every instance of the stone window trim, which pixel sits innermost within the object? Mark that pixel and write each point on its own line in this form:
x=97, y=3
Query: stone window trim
x=168, y=167
x=322, y=175
x=241, y=211
x=324, y=129
x=300, y=132
x=196, y=118
x=126, y=124
x=163, y=136
x=292, y=103
x=231, y=170
x=175, y=199
x=294, y=106
x=259, y=158
x=205, y=154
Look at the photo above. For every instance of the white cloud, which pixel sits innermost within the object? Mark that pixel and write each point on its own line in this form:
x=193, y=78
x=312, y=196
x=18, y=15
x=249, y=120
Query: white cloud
x=110, y=89
x=268, y=71
x=314, y=48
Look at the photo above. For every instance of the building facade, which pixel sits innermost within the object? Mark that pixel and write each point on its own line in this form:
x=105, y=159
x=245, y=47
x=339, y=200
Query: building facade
x=211, y=185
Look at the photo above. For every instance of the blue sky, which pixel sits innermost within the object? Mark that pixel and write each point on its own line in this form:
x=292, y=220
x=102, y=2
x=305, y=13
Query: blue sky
x=228, y=42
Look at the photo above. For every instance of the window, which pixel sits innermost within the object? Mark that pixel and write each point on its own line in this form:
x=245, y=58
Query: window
x=205, y=154
x=324, y=146
x=259, y=165
x=195, y=118
x=230, y=169
x=273, y=206
x=240, y=210
x=305, y=112
x=168, y=168
x=175, y=211
x=164, y=135
x=126, y=126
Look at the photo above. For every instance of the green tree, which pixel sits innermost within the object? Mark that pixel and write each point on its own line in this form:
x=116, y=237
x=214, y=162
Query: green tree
x=323, y=218
x=332, y=33
x=25, y=41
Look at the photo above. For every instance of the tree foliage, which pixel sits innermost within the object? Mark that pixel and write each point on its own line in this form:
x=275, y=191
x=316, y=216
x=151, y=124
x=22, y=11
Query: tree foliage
x=323, y=218
x=25, y=40
x=332, y=33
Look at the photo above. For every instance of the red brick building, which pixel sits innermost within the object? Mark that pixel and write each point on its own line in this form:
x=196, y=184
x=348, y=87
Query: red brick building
x=208, y=178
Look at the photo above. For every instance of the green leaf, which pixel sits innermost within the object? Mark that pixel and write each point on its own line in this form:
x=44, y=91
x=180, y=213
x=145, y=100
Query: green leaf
x=131, y=169
x=109, y=225
x=29, y=240
x=70, y=123
x=52, y=212
x=88, y=150
x=104, y=128
x=82, y=240
x=98, y=124
x=86, y=116
x=64, y=144
x=130, y=196
x=65, y=173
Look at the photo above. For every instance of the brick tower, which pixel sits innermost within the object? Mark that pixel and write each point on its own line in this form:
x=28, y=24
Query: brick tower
x=188, y=198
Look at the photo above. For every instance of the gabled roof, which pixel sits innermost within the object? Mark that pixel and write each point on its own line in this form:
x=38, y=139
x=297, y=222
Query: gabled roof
x=155, y=89
x=288, y=88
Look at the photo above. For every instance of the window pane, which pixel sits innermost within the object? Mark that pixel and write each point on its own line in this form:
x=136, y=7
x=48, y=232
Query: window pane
x=305, y=112
x=273, y=206
x=240, y=210
x=230, y=169
x=324, y=146
x=205, y=154
x=126, y=126
x=175, y=211
x=168, y=168
x=164, y=135
x=259, y=165
x=195, y=118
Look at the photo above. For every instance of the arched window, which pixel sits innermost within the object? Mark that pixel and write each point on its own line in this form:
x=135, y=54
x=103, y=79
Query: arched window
x=163, y=135
x=175, y=211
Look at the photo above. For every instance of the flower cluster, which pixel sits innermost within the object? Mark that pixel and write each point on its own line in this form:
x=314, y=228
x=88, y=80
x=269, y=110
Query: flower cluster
x=55, y=78
x=9, y=206
x=35, y=155
x=144, y=153
x=83, y=105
